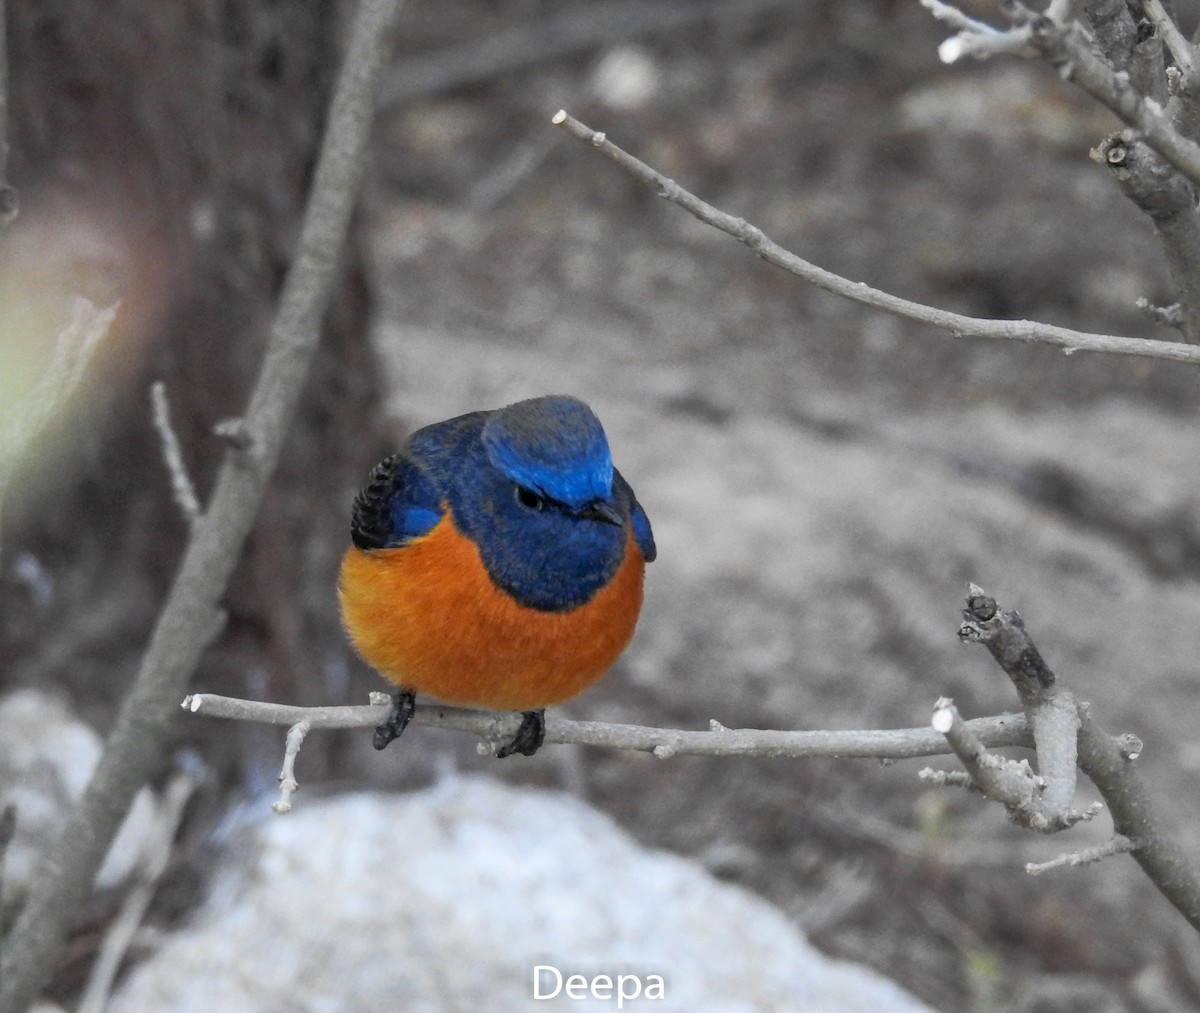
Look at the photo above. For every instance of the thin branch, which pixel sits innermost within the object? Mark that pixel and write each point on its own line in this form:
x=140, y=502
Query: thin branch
x=288, y=784
x=976, y=38
x=1117, y=845
x=1031, y=799
x=181, y=482
x=191, y=613
x=886, y=744
x=1180, y=49
x=1168, y=316
x=957, y=19
x=1003, y=633
x=1005, y=780
x=947, y=778
x=124, y=927
x=957, y=324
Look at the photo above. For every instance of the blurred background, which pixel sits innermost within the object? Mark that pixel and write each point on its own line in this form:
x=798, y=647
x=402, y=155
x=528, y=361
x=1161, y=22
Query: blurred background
x=823, y=480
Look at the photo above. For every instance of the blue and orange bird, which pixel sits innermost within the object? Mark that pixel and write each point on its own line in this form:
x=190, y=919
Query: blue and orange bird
x=497, y=562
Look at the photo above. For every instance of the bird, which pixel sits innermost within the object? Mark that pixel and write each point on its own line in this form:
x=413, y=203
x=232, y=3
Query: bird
x=496, y=561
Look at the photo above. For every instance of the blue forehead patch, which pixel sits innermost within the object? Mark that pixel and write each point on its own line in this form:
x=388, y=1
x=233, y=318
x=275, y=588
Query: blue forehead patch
x=554, y=446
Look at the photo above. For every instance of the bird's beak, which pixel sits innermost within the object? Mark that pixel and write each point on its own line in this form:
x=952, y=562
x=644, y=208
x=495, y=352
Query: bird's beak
x=601, y=511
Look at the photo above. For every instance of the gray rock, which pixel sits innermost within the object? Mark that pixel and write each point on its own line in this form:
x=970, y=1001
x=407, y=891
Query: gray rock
x=47, y=756
x=450, y=898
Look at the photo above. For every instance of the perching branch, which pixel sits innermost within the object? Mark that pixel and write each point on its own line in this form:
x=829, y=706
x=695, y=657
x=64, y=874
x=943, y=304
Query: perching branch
x=495, y=728
x=191, y=615
x=492, y=728
x=956, y=323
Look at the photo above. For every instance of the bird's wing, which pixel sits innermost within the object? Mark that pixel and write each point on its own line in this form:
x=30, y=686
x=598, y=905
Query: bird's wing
x=398, y=503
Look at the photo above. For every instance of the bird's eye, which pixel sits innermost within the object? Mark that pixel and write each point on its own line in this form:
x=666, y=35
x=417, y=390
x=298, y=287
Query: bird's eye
x=529, y=499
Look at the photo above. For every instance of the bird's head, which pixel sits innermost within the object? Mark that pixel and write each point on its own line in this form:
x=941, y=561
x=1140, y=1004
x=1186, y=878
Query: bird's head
x=554, y=451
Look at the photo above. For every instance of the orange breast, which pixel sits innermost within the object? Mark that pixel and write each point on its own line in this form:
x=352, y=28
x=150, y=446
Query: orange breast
x=429, y=619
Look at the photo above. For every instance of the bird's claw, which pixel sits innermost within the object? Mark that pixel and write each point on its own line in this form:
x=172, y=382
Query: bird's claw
x=530, y=735
x=404, y=705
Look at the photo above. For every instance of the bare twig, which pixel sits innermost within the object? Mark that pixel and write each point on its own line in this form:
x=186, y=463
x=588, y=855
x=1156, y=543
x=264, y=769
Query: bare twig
x=1030, y=798
x=287, y=776
x=976, y=38
x=1168, y=316
x=1117, y=845
x=894, y=744
x=124, y=927
x=191, y=613
x=181, y=482
x=494, y=728
x=1051, y=708
x=956, y=19
x=957, y=324
x=1012, y=782
x=1005, y=636
x=947, y=778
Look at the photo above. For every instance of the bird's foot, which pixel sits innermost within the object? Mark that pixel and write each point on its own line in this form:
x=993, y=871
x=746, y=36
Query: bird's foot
x=404, y=705
x=529, y=737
